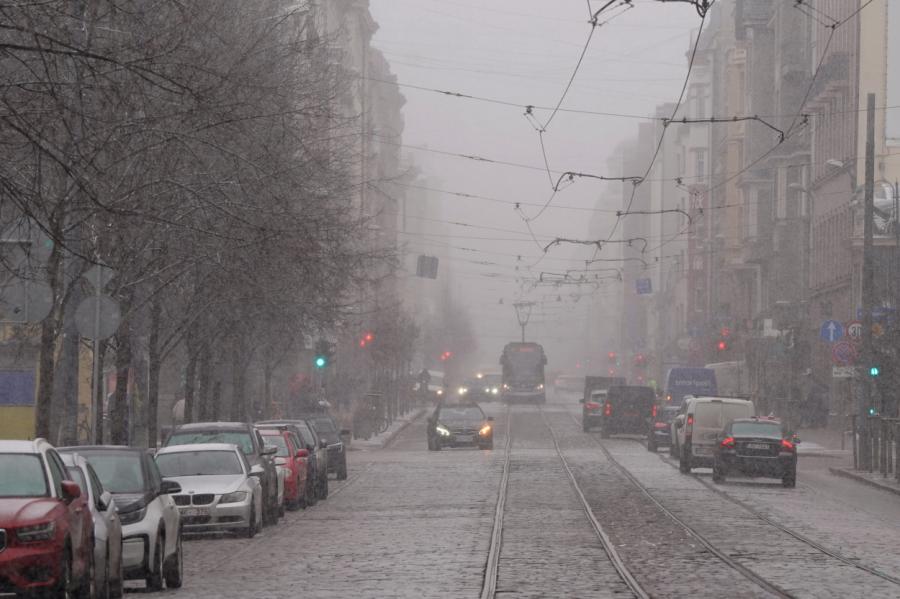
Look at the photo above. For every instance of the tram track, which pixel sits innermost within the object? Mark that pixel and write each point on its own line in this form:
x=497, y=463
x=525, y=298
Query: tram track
x=713, y=547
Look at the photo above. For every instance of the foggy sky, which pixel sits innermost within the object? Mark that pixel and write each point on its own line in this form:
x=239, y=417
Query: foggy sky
x=524, y=52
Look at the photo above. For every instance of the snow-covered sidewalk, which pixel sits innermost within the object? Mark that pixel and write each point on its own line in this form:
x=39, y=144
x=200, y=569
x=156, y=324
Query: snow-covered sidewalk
x=380, y=441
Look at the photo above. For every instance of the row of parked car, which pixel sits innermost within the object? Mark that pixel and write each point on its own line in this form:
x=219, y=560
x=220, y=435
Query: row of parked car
x=722, y=433
x=80, y=521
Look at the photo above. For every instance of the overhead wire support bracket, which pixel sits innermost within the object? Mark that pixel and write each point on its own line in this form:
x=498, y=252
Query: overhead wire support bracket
x=734, y=119
x=702, y=6
x=622, y=213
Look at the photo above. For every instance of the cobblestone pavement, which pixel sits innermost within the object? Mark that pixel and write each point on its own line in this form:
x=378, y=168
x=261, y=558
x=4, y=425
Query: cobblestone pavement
x=414, y=523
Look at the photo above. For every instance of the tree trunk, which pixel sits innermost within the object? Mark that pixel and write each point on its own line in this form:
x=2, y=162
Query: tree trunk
x=238, y=382
x=153, y=367
x=205, y=411
x=44, y=400
x=98, y=393
x=118, y=410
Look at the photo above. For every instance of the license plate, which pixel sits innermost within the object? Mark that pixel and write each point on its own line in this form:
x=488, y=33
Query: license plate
x=702, y=450
x=757, y=446
x=464, y=438
x=194, y=511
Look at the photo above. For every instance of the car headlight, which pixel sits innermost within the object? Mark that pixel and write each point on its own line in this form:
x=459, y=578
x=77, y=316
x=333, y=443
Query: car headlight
x=236, y=497
x=133, y=516
x=485, y=430
x=442, y=430
x=541, y=386
x=495, y=391
x=440, y=391
x=505, y=386
x=462, y=390
x=36, y=533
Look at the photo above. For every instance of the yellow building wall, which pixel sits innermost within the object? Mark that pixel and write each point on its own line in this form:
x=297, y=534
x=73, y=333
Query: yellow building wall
x=17, y=422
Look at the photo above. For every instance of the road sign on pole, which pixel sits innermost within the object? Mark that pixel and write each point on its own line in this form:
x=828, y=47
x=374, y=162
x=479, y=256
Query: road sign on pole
x=831, y=331
x=844, y=353
x=854, y=330
x=843, y=372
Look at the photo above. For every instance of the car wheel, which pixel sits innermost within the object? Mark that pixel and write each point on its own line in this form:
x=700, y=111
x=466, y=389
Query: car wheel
x=790, y=480
x=342, y=470
x=87, y=587
x=251, y=527
x=324, y=488
x=64, y=584
x=718, y=474
x=312, y=493
x=673, y=450
x=174, y=568
x=585, y=427
x=684, y=461
x=488, y=445
x=104, y=591
x=604, y=432
x=652, y=447
x=154, y=578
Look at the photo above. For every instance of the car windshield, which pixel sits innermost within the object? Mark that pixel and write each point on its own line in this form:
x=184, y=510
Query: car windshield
x=770, y=430
x=119, y=472
x=199, y=463
x=461, y=413
x=279, y=442
x=22, y=475
x=240, y=438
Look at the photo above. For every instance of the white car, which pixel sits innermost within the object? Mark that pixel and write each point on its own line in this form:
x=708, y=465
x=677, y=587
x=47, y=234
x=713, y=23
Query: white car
x=218, y=491
x=109, y=573
x=151, y=524
x=696, y=428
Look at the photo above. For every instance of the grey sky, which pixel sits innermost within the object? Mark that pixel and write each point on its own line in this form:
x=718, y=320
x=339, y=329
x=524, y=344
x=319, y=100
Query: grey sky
x=524, y=52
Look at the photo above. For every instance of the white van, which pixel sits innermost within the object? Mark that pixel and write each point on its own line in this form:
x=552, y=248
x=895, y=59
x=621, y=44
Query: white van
x=696, y=428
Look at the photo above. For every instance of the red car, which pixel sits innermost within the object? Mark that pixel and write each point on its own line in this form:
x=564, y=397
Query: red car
x=46, y=530
x=292, y=458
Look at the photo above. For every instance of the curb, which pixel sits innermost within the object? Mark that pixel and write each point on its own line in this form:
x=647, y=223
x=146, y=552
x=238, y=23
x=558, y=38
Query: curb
x=862, y=479
x=390, y=438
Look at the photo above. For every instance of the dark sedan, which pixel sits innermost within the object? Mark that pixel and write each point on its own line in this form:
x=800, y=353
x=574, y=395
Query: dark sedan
x=459, y=425
x=660, y=434
x=756, y=447
x=327, y=429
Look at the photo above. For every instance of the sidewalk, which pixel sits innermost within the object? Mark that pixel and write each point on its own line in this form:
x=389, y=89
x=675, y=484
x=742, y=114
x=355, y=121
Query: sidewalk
x=822, y=442
x=382, y=440
x=873, y=479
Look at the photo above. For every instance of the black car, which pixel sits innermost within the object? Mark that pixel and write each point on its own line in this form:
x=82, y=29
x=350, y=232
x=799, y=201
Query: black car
x=457, y=425
x=592, y=409
x=628, y=410
x=260, y=457
x=756, y=447
x=660, y=434
x=318, y=451
x=327, y=429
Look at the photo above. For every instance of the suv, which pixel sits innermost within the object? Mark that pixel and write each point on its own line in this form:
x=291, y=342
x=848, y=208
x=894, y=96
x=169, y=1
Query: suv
x=327, y=429
x=317, y=474
x=628, y=410
x=46, y=532
x=696, y=428
x=151, y=524
x=245, y=436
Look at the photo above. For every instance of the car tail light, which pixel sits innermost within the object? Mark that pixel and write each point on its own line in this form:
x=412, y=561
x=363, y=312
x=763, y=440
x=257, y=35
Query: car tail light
x=607, y=410
x=653, y=412
x=728, y=442
x=787, y=445
x=689, y=427
x=592, y=405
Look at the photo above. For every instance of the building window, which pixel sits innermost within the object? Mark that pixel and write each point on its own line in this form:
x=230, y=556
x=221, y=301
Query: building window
x=700, y=162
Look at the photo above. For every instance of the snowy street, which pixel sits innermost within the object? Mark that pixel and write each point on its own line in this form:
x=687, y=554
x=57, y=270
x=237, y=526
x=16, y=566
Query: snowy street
x=413, y=523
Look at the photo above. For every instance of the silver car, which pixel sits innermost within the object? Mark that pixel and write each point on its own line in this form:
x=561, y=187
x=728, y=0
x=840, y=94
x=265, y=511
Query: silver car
x=109, y=573
x=218, y=492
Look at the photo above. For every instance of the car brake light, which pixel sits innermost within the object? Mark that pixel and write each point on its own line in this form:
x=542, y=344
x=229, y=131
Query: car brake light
x=787, y=445
x=689, y=427
x=653, y=412
x=728, y=442
x=607, y=410
x=592, y=405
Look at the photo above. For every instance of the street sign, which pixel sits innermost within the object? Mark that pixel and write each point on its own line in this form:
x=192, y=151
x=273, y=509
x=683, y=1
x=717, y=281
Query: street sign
x=844, y=353
x=843, y=372
x=878, y=313
x=644, y=286
x=854, y=330
x=831, y=331
x=98, y=317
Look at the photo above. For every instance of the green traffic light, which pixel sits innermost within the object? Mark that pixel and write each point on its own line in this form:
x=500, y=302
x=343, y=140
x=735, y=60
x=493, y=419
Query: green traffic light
x=873, y=411
x=874, y=370
x=321, y=361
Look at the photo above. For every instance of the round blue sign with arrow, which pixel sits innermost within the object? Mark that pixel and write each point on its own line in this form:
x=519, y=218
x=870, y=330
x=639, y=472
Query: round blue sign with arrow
x=831, y=331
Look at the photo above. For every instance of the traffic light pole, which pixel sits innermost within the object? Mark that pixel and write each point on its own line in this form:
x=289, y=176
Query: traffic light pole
x=868, y=284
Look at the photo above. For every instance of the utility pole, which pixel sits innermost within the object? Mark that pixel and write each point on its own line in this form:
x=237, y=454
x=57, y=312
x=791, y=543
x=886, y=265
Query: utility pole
x=868, y=284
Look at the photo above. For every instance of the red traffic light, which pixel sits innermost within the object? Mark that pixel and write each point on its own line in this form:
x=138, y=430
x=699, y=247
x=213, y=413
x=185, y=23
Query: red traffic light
x=612, y=356
x=367, y=338
x=640, y=360
x=446, y=356
x=722, y=345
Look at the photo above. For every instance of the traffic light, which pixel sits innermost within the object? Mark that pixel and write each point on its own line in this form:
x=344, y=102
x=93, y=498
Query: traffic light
x=722, y=345
x=321, y=361
x=874, y=371
x=324, y=352
x=873, y=411
x=446, y=356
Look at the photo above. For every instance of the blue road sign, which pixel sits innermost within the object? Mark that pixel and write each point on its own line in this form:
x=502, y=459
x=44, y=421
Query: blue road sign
x=831, y=331
x=644, y=286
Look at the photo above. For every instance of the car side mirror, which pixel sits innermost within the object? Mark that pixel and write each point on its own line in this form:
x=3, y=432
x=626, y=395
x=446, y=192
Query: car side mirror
x=104, y=501
x=269, y=450
x=302, y=453
x=323, y=443
x=70, y=491
x=310, y=448
x=490, y=418
x=169, y=487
